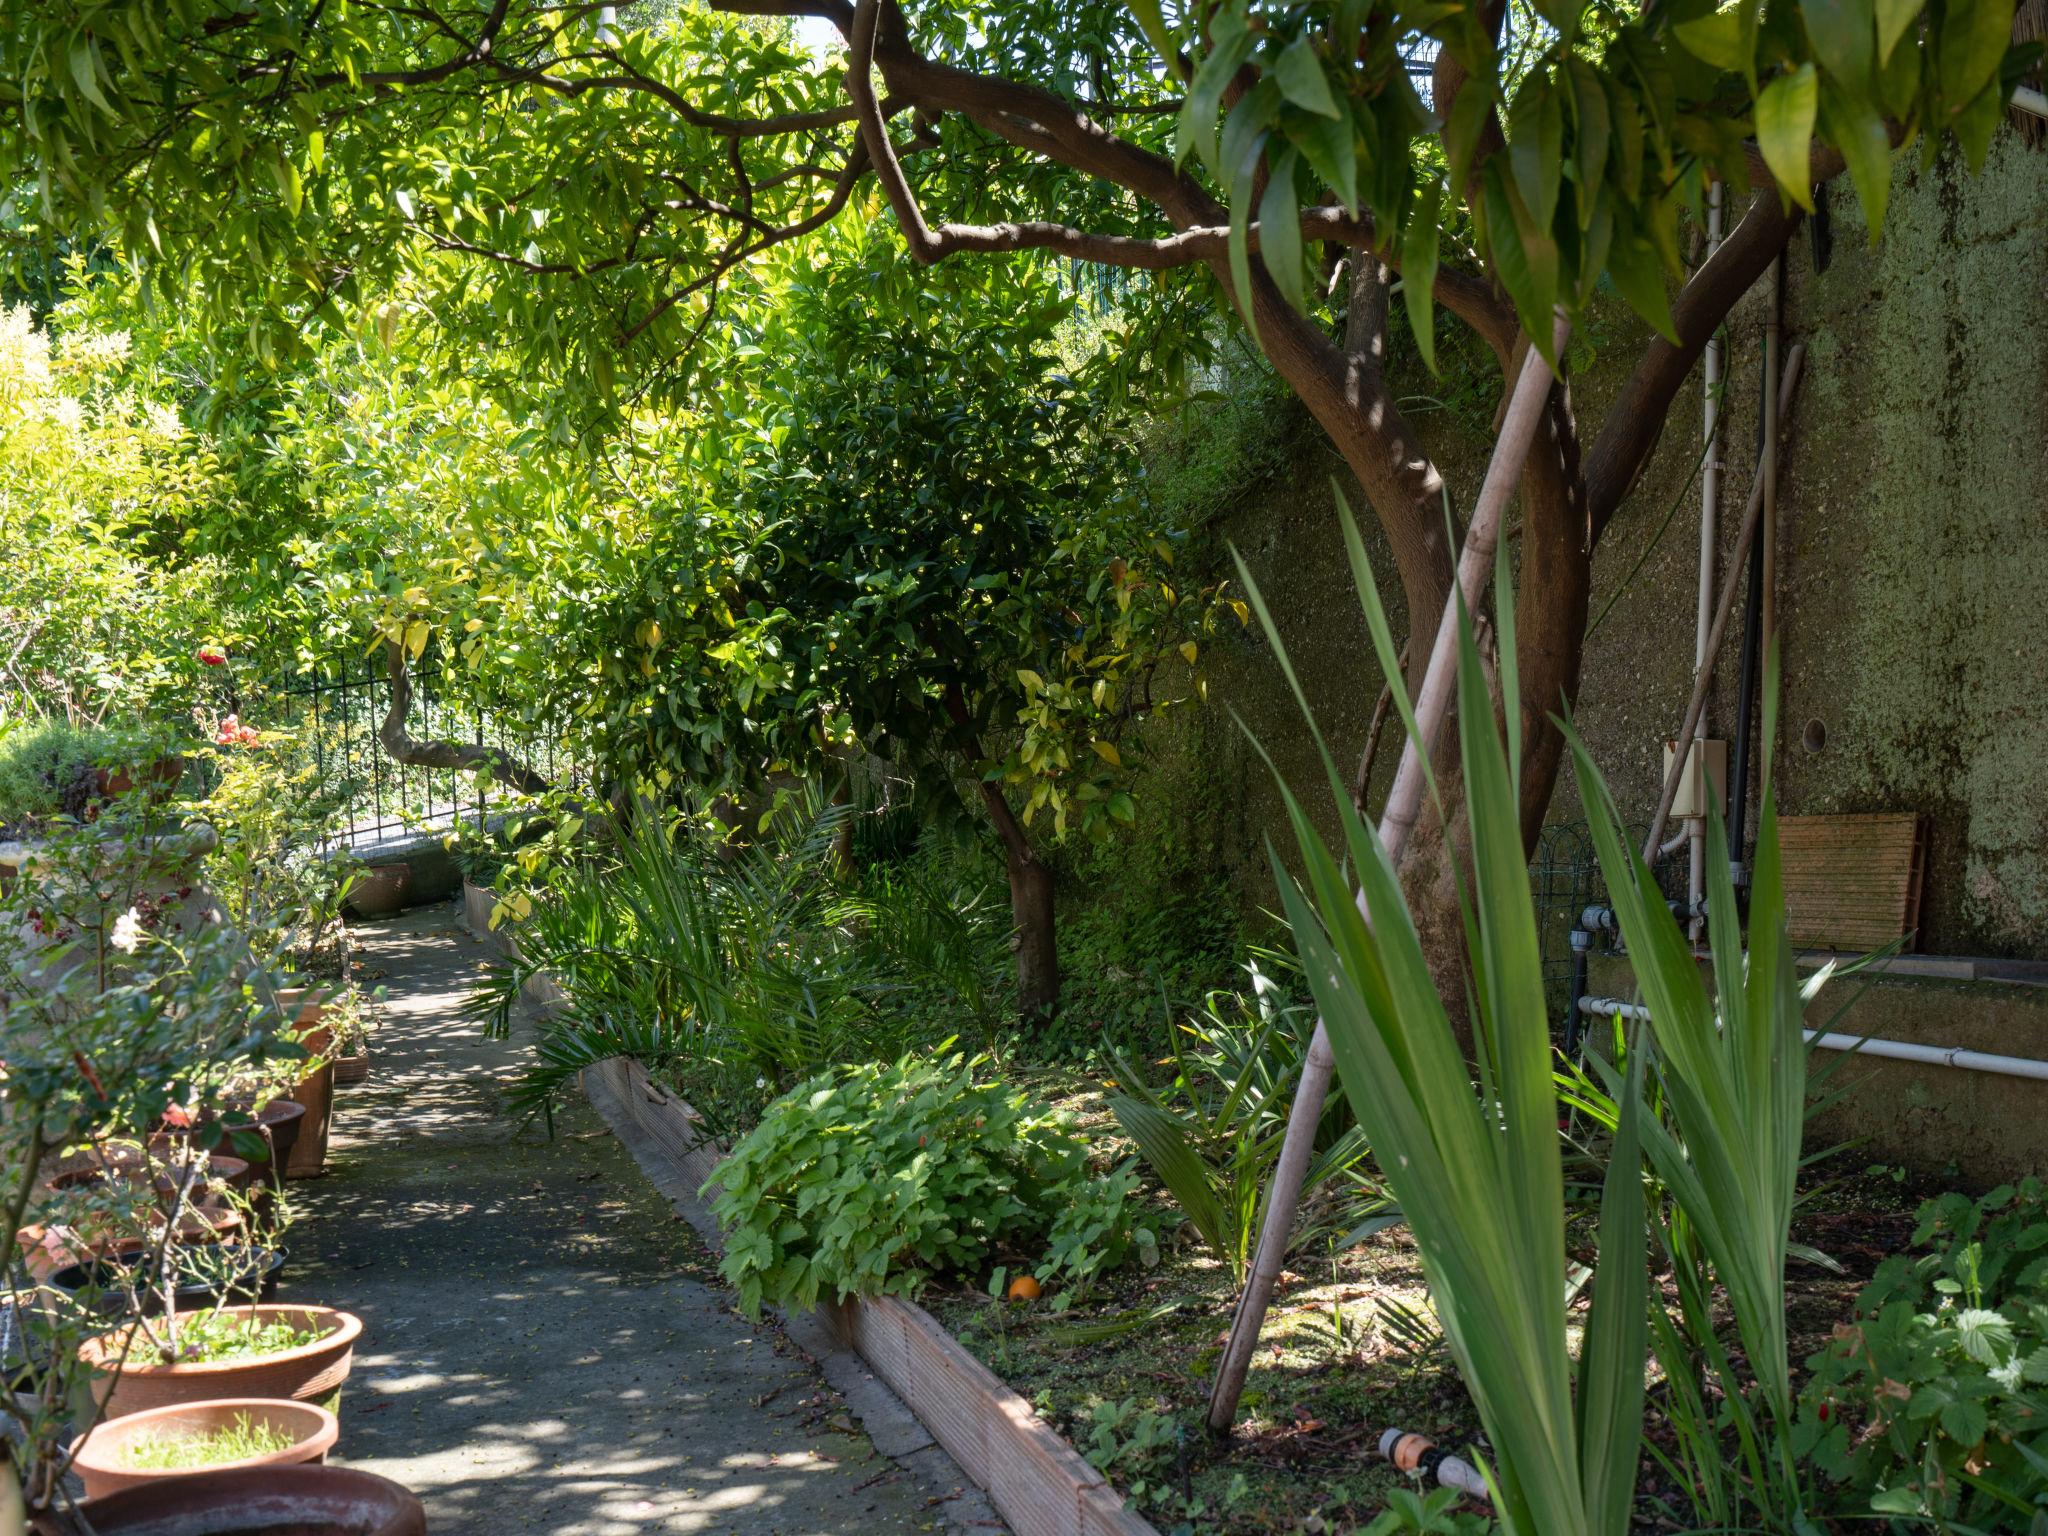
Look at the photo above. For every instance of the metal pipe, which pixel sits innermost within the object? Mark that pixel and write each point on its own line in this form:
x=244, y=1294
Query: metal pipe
x=1790, y=381
x=2027, y=99
x=1695, y=831
x=1755, y=617
x=1773, y=314
x=1890, y=1050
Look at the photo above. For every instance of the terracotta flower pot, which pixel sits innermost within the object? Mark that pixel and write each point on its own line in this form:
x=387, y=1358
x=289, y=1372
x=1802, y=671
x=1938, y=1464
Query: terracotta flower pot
x=306, y=1006
x=312, y=1373
x=263, y=1501
x=101, y=1458
x=382, y=890
x=265, y=1140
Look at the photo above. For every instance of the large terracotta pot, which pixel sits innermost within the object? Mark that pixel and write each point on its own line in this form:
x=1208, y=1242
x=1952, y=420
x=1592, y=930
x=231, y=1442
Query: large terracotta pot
x=312, y=1373
x=101, y=1458
x=381, y=890
x=263, y=1501
x=306, y=1006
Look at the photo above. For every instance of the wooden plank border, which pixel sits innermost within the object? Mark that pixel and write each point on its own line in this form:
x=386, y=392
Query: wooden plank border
x=1037, y=1482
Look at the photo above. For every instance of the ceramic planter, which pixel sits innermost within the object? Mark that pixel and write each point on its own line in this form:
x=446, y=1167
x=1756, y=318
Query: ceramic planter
x=101, y=1458
x=263, y=1501
x=306, y=1006
x=382, y=890
x=312, y=1373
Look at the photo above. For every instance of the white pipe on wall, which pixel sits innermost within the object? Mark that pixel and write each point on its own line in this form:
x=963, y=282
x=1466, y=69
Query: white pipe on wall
x=1695, y=832
x=2027, y=99
x=1891, y=1050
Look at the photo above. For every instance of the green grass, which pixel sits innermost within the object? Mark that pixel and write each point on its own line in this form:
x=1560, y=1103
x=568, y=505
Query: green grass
x=174, y=1450
x=213, y=1337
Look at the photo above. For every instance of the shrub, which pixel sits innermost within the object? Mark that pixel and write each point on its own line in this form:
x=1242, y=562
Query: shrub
x=47, y=769
x=867, y=1179
x=1930, y=1406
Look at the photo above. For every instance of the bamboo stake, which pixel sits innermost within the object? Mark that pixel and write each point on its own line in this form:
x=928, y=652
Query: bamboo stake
x=1526, y=404
x=1737, y=568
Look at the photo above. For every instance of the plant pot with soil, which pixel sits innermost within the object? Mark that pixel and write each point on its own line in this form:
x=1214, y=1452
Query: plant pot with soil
x=188, y=1439
x=262, y=1350
x=306, y=1010
x=261, y=1501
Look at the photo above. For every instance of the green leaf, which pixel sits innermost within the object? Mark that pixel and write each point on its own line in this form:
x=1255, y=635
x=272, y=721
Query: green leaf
x=1523, y=255
x=1461, y=133
x=1280, y=229
x=1299, y=72
x=1844, y=38
x=1231, y=43
x=1331, y=149
x=1964, y=1422
x=1720, y=38
x=1639, y=279
x=1784, y=131
x=1419, y=250
x=1536, y=147
x=1974, y=37
x=1893, y=18
x=1153, y=24
x=1240, y=242
x=1856, y=129
x=85, y=71
x=1592, y=135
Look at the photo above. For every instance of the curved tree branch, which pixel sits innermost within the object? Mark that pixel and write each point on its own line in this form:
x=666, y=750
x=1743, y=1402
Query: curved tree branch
x=455, y=755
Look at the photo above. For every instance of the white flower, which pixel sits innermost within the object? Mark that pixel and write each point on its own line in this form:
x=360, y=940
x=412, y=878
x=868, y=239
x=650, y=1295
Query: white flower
x=760, y=1082
x=127, y=934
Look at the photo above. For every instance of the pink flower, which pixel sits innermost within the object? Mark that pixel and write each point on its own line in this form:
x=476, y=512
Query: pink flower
x=212, y=656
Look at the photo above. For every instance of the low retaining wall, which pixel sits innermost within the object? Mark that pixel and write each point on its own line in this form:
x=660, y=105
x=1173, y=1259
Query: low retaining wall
x=1037, y=1482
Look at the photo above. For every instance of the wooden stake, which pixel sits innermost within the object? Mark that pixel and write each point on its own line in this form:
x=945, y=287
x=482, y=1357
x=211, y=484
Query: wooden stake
x=1526, y=404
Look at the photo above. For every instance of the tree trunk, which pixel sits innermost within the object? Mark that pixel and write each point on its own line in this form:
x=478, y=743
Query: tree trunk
x=1034, y=939
x=1037, y=944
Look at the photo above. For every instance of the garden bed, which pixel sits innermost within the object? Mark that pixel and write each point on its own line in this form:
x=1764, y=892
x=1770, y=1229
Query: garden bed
x=1037, y=1481
x=1118, y=1381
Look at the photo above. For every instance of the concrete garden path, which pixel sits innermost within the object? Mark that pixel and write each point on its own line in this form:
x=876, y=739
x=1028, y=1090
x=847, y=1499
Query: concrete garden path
x=546, y=1344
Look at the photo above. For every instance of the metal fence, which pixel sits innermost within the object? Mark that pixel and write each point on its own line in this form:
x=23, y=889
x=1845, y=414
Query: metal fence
x=341, y=705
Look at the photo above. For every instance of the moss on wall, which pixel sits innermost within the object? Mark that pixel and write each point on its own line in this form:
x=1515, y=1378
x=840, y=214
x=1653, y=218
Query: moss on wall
x=1912, y=569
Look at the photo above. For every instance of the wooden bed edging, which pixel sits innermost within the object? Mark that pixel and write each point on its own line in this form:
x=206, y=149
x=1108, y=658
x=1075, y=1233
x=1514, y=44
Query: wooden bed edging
x=1037, y=1482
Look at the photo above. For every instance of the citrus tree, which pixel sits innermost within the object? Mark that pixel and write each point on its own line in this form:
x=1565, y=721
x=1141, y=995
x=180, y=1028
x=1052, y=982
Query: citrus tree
x=961, y=568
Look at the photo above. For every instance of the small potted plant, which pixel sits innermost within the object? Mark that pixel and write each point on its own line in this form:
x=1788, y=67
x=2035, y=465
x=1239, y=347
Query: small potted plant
x=184, y=1439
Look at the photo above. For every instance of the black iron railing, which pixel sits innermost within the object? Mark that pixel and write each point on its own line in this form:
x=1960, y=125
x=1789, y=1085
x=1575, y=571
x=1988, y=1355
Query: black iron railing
x=341, y=705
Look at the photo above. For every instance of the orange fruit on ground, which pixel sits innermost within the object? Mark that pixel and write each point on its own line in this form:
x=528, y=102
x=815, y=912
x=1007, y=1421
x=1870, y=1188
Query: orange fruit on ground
x=1024, y=1288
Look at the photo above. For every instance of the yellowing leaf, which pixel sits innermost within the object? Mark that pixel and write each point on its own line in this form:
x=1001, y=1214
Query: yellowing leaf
x=416, y=597
x=472, y=626
x=1784, y=131
x=1106, y=750
x=416, y=636
x=1033, y=683
x=1189, y=651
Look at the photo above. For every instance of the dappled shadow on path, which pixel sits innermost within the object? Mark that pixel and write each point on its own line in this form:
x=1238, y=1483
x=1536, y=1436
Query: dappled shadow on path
x=545, y=1346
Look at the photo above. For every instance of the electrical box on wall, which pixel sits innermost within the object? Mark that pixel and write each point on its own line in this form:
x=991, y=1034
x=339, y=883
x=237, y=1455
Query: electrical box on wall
x=1690, y=803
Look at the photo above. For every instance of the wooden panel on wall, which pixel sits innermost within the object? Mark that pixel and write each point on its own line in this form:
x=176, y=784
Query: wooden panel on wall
x=1852, y=883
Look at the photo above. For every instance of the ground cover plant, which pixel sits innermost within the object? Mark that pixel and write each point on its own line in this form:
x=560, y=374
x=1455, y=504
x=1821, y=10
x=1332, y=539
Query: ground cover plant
x=865, y=1181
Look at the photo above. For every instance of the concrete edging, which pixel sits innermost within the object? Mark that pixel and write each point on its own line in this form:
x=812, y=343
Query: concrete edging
x=1037, y=1481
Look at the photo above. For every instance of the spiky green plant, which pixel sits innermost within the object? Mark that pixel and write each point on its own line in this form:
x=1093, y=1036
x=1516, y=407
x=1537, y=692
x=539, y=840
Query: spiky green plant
x=1732, y=1068
x=1477, y=1170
